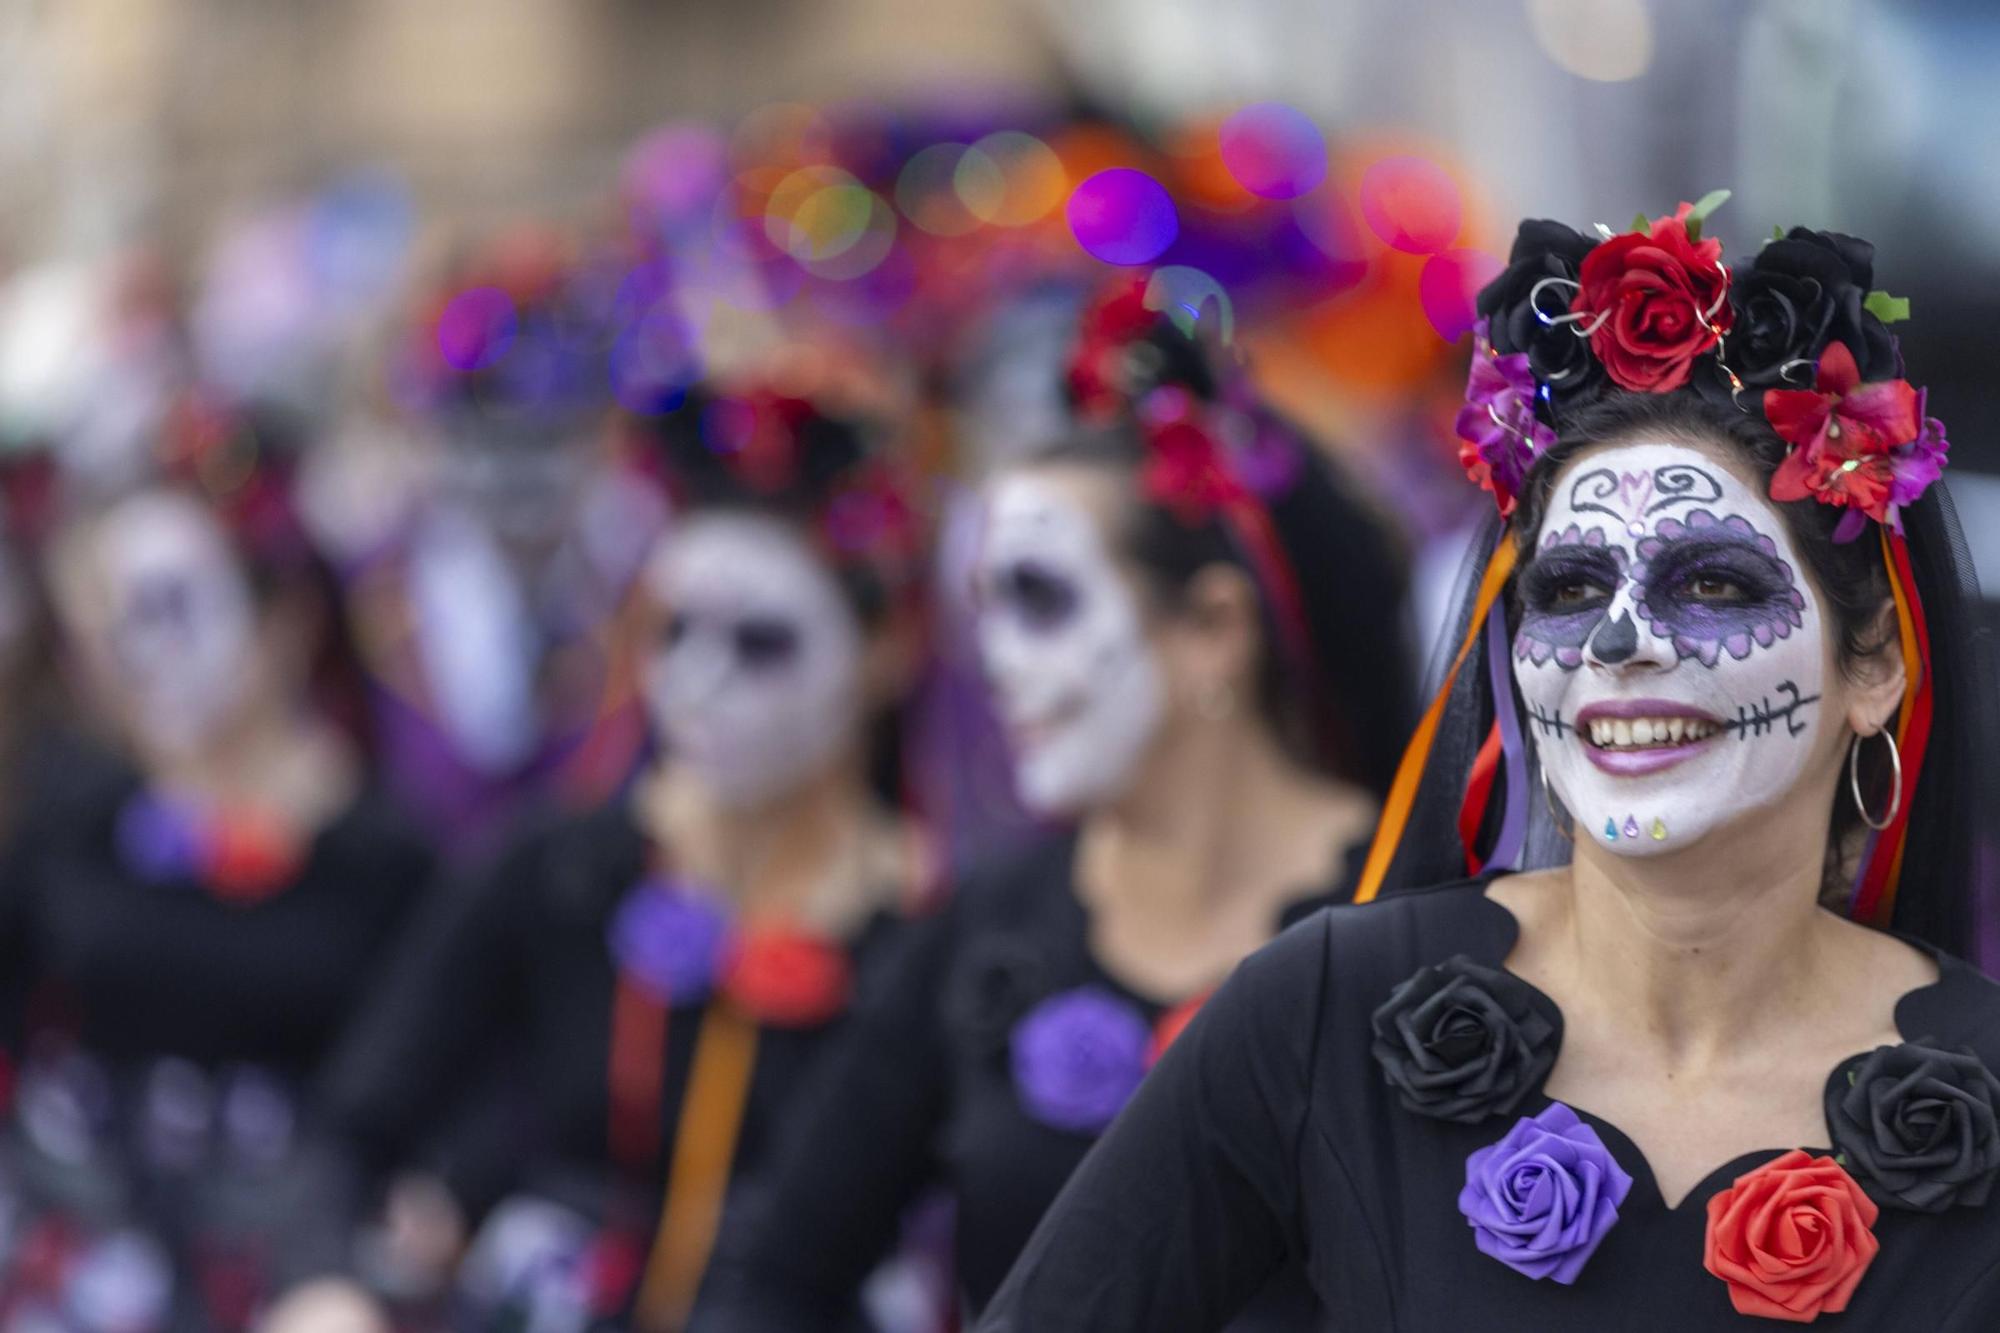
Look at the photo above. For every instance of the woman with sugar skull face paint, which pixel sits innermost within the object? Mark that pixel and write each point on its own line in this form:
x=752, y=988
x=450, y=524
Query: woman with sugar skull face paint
x=665, y=970
x=1164, y=646
x=1714, y=730
x=211, y=885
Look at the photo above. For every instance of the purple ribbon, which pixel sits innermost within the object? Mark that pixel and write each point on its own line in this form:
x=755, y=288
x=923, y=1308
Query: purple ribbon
x=1514, y=820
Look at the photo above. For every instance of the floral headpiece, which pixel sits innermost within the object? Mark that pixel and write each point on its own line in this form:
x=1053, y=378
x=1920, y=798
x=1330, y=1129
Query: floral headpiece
x=1655, y=309
x=1800, y=334
x=1212, y=453
x=785, y=450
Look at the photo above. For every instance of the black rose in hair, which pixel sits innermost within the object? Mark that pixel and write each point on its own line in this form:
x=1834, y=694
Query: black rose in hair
x=1917, y=1125
x=1803, y=291
x=1001, y=979
x=1558, y=358
x=1462, y=1042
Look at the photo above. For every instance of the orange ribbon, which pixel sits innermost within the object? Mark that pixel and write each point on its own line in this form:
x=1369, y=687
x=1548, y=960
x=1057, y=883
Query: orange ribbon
x=1410, y=772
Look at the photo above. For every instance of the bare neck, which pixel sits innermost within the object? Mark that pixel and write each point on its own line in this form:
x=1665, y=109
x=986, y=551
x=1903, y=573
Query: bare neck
x=1703, y=948
x=813, y=854
x=1217, y=815
x=272, y=754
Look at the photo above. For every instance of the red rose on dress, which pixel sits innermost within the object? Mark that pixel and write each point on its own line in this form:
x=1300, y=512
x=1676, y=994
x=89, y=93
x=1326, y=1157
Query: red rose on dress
x=1654, y=301
x=1841, y=432
x=787, y=978
x=251, y=856
x=1172, y=1023
x=1792, y=1238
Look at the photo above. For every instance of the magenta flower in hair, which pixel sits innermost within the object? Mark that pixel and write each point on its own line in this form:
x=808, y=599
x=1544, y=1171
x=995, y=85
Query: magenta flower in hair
x=1915, y=468
x=1501, y=433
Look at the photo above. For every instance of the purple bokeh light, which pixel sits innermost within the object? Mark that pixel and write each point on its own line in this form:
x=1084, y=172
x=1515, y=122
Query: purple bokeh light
x=475, y=328
x=1123, y=216
x=1274, y=151
x=1450, y=284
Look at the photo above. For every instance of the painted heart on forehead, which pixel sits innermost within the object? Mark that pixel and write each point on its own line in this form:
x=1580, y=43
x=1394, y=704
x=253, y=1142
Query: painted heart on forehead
x=1669, y=653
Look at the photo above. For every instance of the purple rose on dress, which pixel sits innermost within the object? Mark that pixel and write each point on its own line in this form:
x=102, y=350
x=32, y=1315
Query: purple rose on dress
x=159, y=839
x=1542, y=1198
x=669, y=941
x=1078, y=1058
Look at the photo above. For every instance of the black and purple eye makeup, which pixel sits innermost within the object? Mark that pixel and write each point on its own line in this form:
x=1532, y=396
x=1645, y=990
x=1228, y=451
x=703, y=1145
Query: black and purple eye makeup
x=1715, y=585
x=757, y=642
x=1041, y=597
x=1710, y=586
x=1565, y=593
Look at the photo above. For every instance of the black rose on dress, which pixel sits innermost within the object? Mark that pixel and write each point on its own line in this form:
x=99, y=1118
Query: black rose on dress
x=1917, y=1125
x=1804, y=290
x=1556, y=355
x=1000, y=980
x=1461, y=1042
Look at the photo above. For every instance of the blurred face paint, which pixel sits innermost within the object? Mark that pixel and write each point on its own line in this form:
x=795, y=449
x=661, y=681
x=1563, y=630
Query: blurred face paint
x=1060, y=634
x=1670, y=653
x=755, y=682
x=179, y=623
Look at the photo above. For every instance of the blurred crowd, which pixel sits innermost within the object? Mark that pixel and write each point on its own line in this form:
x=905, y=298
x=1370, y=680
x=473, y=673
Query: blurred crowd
x=671, y=768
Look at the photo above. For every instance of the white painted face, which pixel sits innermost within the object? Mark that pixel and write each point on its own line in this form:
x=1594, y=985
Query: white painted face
x=756, y=681
x=174, y=625
x=1077, y=684
x=1670, y=652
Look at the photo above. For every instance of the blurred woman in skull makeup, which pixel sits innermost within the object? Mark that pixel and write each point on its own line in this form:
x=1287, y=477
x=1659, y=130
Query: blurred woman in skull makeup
x=1715, y=1058
x=485, y=594
x=199, y=912
x=662, y=971
x=1194, y=639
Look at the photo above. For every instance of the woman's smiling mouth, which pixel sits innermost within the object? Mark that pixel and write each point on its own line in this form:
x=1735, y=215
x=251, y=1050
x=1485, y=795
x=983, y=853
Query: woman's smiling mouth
x=1632, y=738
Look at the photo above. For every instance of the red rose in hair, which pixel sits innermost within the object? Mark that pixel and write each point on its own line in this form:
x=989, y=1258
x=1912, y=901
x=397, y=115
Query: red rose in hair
x=1792, y=1238
x=1654, y=302
x=1186, y=473
x=787, y=978
x=1111, y=323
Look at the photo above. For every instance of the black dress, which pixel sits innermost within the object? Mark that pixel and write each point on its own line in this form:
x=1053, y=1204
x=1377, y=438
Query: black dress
x=924, y=1092
x=487, y=1057
x=167, y=1027
x=1271, y=1129
x=133, y=967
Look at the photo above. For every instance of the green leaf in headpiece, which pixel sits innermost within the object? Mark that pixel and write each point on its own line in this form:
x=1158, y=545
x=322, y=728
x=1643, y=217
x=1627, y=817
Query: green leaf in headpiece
x=1889, y=309
x=1705, y=205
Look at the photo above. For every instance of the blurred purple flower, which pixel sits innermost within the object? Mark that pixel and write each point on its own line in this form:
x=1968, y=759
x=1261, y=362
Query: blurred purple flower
x=1079, y=1057
x=669, y=941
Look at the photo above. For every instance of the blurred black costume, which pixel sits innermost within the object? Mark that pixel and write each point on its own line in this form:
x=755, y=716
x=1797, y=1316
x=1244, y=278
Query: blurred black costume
x=922, y=1092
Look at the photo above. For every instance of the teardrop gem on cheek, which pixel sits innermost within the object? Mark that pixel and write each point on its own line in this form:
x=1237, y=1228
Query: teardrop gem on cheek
x=1631, y=827
x=1659, y=829
x=1611, y=829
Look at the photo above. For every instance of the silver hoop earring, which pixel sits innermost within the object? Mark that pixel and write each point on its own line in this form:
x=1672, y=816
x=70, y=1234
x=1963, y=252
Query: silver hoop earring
x=1557, y=819
x=1216, y=702
x=1895, y=781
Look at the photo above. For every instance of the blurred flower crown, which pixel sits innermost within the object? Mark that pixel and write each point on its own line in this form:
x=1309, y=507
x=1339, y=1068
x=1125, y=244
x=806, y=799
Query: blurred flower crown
x=758, y=443
x=1140, y=356
x=1799, y=334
